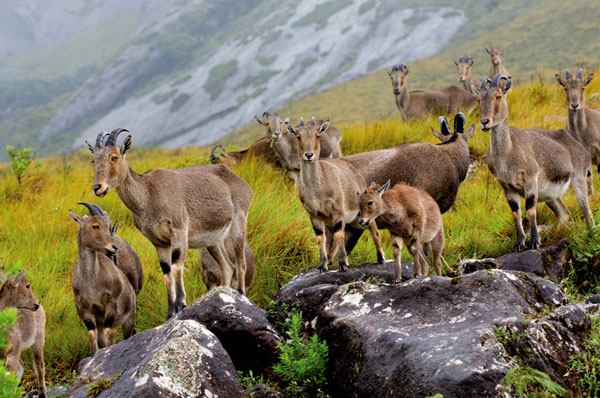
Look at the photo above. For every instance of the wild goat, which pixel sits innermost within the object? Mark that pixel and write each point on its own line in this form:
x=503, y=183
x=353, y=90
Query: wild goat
x=463, y=66
x=411, y=216
x=285, y=144
x=211, y=272
x=582, y=123
x=29, y=330
x=436, y=169
x=535, y=164
x=192, y=207
x=496, y=60
x=327, y=189
x=104, y=297
x=417, y=104
x=261, y=148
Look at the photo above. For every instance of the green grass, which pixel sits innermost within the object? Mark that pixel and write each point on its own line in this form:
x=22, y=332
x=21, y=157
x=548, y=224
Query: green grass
x=37, y=231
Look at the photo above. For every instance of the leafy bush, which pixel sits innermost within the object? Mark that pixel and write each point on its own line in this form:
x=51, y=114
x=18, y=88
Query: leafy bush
x=531, y=383
x=586, y=367
x=302, y=361
x=20, y=160
x=9, y=385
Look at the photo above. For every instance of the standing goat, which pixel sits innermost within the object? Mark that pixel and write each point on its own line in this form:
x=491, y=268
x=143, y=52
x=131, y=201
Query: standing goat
x=192, y=207
x=463, y=67
x=535, y=164
x=436, y=169
x=104, y=297
x=411, y=216
x=417, y=104
x=285, y=144
x=582, y=123
x=328, y=191
x=496, y=67
x=29, y=330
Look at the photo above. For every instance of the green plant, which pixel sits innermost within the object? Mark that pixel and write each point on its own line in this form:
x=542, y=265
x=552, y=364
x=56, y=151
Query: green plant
x=20, y=160
x=101, y=385
x=436, y=396
x=531, y=383
x=9, y=385
x=303, y=360
x=250, y=380
x=586, y=367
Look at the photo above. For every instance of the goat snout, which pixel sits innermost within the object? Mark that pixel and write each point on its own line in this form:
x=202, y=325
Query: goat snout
x=111, y=250
x=363, y=222
x=99, y=189
x=276, y=136
x=396, y=91
x=36, y=306
x=461, y=79
x=574, y=106
x=308, y=155
x=485, y=124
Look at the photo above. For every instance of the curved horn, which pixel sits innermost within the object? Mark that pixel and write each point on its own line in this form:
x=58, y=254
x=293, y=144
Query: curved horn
x=266, y=114
x=92, y=208
x=312, y=122
x=99, y=139
x=459, y=123
x=301, y=121
x=213, y=155
x=579, y=74
x=496, y=79
x=444, y=128
x=568, y=74
x=112, y=138
x=485, y=81
x=470, y=60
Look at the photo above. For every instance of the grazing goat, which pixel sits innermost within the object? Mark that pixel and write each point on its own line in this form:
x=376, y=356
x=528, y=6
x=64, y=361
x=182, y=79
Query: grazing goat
x=104, y=297
x=260, y=148
x=417, y=104
x=411, y=216
x=496, y=68
x=535, y=164
x=582, y=123
x=436, y=169
x=285, y=144
x=211, y=272
x=463, y=66
x=192, y=207
x=29, y=330
x=328, y=191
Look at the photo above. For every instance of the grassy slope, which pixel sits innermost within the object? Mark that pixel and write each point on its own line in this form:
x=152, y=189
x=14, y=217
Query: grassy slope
x=37, y=232
x=532, y=42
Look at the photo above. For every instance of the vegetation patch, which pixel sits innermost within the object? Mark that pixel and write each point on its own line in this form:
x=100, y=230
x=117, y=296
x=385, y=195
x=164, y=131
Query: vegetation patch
x=266, y=61
x=163, y=97
x=99, y=386
x=179, y=101
x=321, y=13
x=531, y=383
x=585, y=368
x=217, y=77
x=366, y=6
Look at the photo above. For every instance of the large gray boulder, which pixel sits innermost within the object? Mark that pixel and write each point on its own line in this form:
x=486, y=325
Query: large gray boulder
x=436, y=334
x=548, y=261
x=181, y=358
x=240, y=325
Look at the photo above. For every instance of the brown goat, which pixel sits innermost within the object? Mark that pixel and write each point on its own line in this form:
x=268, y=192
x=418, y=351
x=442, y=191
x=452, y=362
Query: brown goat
x=463, y=67
x=416, y=104
x=261, y=148
x=411, y=216
x=29, y=330
x=582, y=123
x=536, y=164
x=496, y=67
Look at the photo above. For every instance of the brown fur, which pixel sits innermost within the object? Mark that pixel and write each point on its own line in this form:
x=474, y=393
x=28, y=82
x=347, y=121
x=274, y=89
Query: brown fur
x=416, y=104
x=211, y=272
x=105, y=299
x=261, y=148
x=193, y=207
x=29, y=330
x=582, y=123
x=463, y=67
x=535, y=164
x=411, y=216
x=496, y=67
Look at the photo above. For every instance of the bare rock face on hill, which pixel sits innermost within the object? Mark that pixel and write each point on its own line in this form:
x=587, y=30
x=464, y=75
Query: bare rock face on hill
x=436, y=334
x=178, y=359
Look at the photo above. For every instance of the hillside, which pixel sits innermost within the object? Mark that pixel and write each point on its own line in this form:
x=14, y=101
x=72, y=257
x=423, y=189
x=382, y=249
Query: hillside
x=38, y=234
x=538, y=40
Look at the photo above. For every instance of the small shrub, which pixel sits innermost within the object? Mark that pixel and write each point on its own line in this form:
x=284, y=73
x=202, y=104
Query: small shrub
x=531, y=383
x=20, y=160
x=101, y=385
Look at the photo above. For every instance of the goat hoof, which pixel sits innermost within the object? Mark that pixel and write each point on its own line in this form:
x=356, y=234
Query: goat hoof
x=380, y=259
x=535, y=245
x=179, y=307
x=322, y=270
x=519, y=247
x=343, y=268
x=397, y=280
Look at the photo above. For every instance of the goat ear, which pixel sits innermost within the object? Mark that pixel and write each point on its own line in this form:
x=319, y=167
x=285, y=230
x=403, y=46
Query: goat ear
x=488, y=51
x=384, y=188
x=455, y=63
x=588, y=80
x=286, y=120
x=475, y=88
x=291, y=129
x=471, y=61
x=75, y=217
x=323, y=128
x=389, y=72
x=90, y=147
x=259, y=121
x=372, y=184
x=438, y=135
x=114, y=228
x=469, y=132
x=507, y=85
x=126, y=145
x=19, y=277
x=560, y=80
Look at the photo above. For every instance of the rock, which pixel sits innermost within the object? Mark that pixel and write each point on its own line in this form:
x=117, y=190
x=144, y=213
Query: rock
x=240, y=325
x=438, y=335
x=57, y=392
x=592, y=304
x=550, y=261
x=469, y=266
x=262, y=391
x=181, y=358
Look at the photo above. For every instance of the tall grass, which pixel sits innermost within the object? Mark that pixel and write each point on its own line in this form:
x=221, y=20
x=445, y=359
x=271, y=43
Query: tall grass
x=37, y=231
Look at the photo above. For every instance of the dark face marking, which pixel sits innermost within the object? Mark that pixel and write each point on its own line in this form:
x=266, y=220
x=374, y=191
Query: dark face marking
x=109, y=321
x=166, y=268
x=589, y=173
x=320, y=215
x=175, y=256
x=337, y=226
x=89, y=325
x=514, y=206
x=395, y=245
x=318, y=231
x=529, y=202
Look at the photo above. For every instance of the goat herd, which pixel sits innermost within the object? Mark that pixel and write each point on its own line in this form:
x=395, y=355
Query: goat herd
x=206, y=206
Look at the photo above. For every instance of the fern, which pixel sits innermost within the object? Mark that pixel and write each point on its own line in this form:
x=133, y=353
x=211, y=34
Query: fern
x=531, y=383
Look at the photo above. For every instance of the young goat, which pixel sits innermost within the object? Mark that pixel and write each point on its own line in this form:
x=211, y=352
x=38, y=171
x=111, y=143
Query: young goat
x=104, y=297
x=538, y=165
x=417, y=104
x=582, y=123
x=463, y=67
x=192, y=207
x=285, y=144
x=496, y=60
x=328, y=191
x=29, y=330
x=411, y=216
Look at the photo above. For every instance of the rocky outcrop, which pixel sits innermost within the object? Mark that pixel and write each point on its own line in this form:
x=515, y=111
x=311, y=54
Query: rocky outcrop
x=240, y=325
x=178, y=359
x=437, y=335
x=548, y=261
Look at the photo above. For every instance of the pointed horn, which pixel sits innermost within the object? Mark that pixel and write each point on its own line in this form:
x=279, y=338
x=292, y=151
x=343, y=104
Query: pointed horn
x=444, y=128
x=568, y=74
x=579, y=74
x=99, y=138
x=312, y=122
x=213, y=155
x=112, y=138
x=459, y=123
x=266, y=114
x=301, y=121
x=92, y=208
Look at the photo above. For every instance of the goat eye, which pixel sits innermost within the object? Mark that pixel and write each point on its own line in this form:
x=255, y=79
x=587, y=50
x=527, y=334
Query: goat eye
x=114, y=158
x=92, y=161
x=95, y=226
x=498, y=97
x=370, y=203
x=28, y=286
